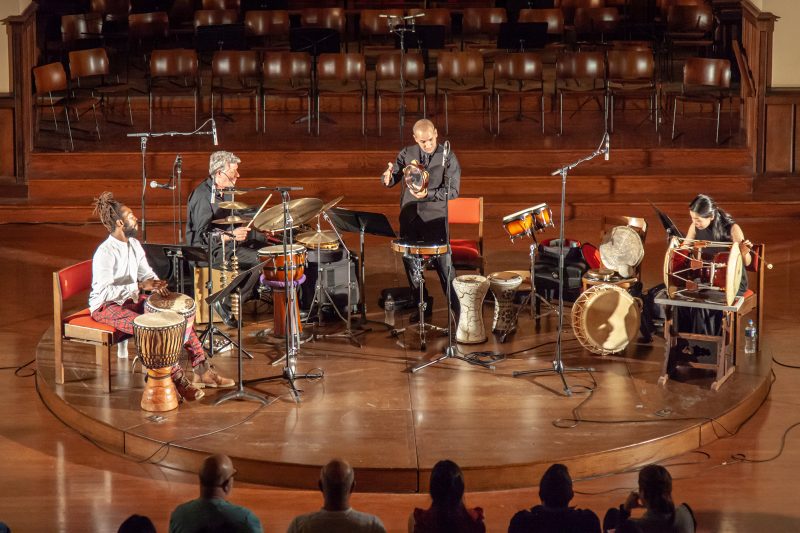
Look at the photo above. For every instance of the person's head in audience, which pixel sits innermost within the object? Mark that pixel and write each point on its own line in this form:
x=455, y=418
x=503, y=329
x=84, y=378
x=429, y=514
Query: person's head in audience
x=655, y=489
x=555, y=487
x=136, y=523
x=447, y=489
x=216, y=477
x=337, y=481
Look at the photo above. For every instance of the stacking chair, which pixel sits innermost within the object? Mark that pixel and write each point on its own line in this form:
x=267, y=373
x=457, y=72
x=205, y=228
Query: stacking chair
x=235, y=73
x=387, y=80
x=373, y=30
x=596, y=24
x=580, y=75
x=81, y=31
x=147, y=32
x=267, y=29
x=467, y=253
x=52, y=90
x=286, y=75
x=704, y=81
x=481, y=25
x=172, y=73
x=688, y=27
x=332, y=18
x=341, y=75
x=569, y=7
x=519, y=75
x=553, y=17
x=435, y=17
x=89, y=71
x=631, y=74
x=221, y=4
x=461, y=74
x=215, y=17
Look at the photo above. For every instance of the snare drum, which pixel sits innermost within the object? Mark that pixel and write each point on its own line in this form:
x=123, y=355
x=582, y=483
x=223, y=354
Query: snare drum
x=605, y=318
x=528, y=221
x=174, y=301
x=686, y=272
x=276, y=264
x=419, y=248
x=159, y=338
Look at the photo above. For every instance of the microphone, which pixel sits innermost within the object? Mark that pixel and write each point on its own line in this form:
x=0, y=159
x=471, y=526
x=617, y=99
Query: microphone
x=606, y=146
x=213, y=189
x=156, y=185
x=214, y=132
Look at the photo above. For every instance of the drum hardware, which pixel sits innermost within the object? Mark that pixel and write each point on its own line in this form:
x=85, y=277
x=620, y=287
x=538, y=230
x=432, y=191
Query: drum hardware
x=558, y=363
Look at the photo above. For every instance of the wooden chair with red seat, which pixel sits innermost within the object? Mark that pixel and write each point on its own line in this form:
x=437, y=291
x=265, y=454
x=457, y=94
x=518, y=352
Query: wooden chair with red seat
x=79, y=327
x=467, y=253
x=753, y=299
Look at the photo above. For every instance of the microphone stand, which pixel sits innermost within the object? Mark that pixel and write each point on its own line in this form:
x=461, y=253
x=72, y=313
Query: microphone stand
x=558, y=363
x=400, y=31
x=143, y=137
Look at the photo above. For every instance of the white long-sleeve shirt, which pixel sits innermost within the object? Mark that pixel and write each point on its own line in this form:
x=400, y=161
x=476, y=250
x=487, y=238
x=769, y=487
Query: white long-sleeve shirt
x=117, y=269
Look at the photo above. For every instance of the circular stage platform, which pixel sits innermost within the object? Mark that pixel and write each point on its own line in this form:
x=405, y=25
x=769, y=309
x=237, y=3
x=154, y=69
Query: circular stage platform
x=393, y=426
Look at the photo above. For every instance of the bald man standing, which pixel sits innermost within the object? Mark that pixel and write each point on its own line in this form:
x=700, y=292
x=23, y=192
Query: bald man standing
x=336, y=481
x=212, y=511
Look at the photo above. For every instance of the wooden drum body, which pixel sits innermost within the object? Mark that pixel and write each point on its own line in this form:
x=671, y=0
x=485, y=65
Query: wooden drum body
x=179, y=303
x=605, y=318
x=159, y=339
x=277, y=266
x=504, y=287
x=419, y=248
x=530, y=220
x=687, y=272
x=471, y=290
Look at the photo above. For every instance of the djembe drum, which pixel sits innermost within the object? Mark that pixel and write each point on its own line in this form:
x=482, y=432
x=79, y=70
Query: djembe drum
x=503, y=286
x=174, y=301
x=471, y=289
x=159, y=339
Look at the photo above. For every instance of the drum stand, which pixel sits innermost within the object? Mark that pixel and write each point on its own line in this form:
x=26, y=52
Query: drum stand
x=558, y=363
x=418, y=275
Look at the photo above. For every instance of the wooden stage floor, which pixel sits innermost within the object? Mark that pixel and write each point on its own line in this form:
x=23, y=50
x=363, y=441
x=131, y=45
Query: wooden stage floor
x=394, y=425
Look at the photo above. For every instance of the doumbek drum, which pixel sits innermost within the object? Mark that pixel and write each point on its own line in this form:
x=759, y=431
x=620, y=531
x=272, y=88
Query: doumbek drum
x=180, y=303
x=504, y=286
x=277, y=266
x=605, y=318
x=471, y=290
x=159, y=339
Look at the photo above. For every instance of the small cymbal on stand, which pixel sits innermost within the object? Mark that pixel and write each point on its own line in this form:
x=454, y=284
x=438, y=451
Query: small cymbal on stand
x=234, y=205
x=232, y=219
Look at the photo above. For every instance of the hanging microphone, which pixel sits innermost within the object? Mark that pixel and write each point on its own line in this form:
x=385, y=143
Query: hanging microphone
x=214, y=132
x=156, y=185
x=607, y=146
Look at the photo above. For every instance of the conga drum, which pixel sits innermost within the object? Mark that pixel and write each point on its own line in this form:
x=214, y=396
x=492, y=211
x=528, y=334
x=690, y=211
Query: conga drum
x=278, y=266
x=159, y=339
x=174, y=301
x=471, y=289
x=503, y=286
x=605, y=318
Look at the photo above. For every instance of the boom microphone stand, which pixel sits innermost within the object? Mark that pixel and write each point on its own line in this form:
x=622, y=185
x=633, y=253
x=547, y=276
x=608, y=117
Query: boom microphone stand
x=558, y=363
x=401, y=30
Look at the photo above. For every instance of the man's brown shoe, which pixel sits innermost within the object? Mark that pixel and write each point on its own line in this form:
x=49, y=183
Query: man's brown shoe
x=212, y=380
x=187, y=390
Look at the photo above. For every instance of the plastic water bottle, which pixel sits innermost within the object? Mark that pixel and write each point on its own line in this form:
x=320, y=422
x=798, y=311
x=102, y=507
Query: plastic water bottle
x=388, y=308
x=750, y=336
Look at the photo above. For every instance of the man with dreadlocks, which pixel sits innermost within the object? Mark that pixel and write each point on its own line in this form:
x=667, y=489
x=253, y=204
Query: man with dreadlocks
x=120, y=273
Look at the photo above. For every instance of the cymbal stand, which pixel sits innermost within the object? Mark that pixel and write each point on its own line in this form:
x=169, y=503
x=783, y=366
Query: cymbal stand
x=558, y=363
x=419, y=263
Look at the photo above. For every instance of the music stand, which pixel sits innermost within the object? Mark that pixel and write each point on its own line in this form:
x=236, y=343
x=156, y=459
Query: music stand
x=522, y=36
x=362, y=222
x=177, y=253
x=315, y=41
x=216, y=37
x=669, y=225
x=236, y=285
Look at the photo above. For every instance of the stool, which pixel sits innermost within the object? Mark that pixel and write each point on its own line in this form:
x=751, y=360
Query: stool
x=279, y=306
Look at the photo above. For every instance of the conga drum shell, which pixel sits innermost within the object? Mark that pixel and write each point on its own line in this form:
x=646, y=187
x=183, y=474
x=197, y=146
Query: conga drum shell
x=277, y=266
x=471, y=290
x=605, y=318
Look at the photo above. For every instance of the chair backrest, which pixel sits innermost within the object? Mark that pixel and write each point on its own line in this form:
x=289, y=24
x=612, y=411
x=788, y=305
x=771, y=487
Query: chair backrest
x=483, y=20
x=221, y=4
x=348, y=66
x=215, y=17
x=81, y=26
x=371, y=23
x=638, y=224
x=235, y=64
x=434, y=17
x=324, y=17
x=690, y=18
x=518, y=66
x=173, y=63
x=74, y=279
x=707, y=72
x=111, y=10
x=627, y=65
x=553, y=17
x=569, y=7
x=460, y=65
x=50, y=78
x=464, y=210
x=287, y=66
x=596, y=19
x=260, y=23
x=387, y=67
x=581, y=65
x=84, y=63
x=664, y=5
x=148, y=26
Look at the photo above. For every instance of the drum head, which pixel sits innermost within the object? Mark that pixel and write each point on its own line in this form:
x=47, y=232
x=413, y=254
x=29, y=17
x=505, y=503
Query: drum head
x=522, y=213
x=173, y=301
x=608, y=319
x=505, y=277
x=278, y=249
x=162, y=319
x=733, y=273
x=622, y=250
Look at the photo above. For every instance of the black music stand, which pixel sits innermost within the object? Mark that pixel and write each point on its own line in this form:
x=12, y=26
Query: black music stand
x=236, y=285
x=216, y=37
x=670, y=227
x=362, y=222
x=176, y=254
x=315, y=41
x=521, y=36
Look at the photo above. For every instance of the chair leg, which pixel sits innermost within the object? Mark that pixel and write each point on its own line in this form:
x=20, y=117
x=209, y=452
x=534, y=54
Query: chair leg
x=317, y=114
x=130, y=111
x=103, y=354
x=674, y=116
x=719, y=108
x=497, y=122
x=69, y=129
x=446, y=122
x=561, y=113
x=542, y=104
x=96, y=125
x=59, y=360
x=378, y=101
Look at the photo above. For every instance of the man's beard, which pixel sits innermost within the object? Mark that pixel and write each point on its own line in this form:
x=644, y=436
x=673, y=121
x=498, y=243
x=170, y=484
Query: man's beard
x=129, y=231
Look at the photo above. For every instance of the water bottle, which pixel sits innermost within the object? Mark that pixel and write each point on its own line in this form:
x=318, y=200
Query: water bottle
x=388, y=307
x=750, y=336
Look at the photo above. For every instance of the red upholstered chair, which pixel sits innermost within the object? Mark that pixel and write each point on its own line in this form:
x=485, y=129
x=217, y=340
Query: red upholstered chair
x=79, y=326
x=467, y=253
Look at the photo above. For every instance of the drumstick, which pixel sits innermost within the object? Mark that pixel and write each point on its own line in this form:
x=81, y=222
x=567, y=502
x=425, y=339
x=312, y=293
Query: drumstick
x=259, y=211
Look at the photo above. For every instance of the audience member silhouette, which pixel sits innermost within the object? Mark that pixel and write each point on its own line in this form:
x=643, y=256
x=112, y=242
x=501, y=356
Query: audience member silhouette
x=212, y=512
x=555, y=514
x=137, y=523
x=447, y=512
x=337, y=481
x=655, y=496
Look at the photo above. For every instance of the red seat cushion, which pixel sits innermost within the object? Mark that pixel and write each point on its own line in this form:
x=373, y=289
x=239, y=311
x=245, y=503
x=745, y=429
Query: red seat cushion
x=84, y=319
x=748, y=293
x=465, y=251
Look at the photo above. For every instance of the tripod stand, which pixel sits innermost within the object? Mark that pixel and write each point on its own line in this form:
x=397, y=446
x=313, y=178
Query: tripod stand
x=396, y=28
x=558, y=363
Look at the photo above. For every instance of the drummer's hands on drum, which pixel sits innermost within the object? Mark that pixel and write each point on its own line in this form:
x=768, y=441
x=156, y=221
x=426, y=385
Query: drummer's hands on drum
x=387, y=174
x=154, y=285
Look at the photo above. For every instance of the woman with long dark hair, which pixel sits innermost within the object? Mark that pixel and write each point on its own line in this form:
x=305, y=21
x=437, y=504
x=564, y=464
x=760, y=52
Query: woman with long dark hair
x=447, y=513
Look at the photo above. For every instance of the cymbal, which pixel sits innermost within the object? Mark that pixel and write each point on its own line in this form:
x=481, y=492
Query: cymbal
x=333, y=203
x=301, y=210
x=315, y=238
x=232, y=191
x=232, y=219
x=233, y=205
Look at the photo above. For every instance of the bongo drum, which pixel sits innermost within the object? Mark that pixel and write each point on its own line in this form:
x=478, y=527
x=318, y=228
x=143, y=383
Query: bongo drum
x=687, y=272
x=174, y=301
x=503, y=286
x=527, y=221
x=605, y=318
x=471, y=290
x=159, y=338
x=276, y=264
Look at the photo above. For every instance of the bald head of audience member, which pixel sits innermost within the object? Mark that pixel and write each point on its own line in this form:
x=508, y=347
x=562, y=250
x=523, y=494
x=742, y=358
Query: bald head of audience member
x=336, y=481
x=216, y=476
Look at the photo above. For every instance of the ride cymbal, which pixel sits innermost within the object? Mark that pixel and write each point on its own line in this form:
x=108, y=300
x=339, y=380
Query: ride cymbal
x=332, y=204
x=317, y=238
x=301, y=211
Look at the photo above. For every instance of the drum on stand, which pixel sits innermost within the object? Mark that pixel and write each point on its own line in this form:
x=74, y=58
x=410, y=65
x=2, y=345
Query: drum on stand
x=504, y=286
x=278, y=265
x=174, y=301
x=687, y=273
x=419, y=248
x=528, y=221
x=159, y=339
x=605, y=318
x=471, y=289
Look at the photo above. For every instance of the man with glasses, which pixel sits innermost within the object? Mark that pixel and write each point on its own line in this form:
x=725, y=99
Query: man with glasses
x=212, y=511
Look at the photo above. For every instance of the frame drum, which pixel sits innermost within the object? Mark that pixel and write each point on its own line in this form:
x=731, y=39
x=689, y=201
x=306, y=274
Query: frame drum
x=174, y=301
x=686, y=273
x=419, y=248
x=275, y=263
x=605, y=318
x=527, y=221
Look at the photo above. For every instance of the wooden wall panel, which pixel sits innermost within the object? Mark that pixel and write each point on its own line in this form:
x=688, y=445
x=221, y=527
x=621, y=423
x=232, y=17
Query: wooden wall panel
x=6, y=141
x=779, y=138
